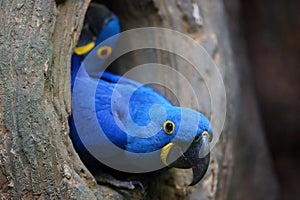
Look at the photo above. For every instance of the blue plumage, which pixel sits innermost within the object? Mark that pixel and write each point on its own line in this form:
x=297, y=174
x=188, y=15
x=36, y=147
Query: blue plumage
x=142, y=99
x=134, y=117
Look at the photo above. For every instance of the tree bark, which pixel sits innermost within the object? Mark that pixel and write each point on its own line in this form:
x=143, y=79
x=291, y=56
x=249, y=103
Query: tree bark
x=37, y=159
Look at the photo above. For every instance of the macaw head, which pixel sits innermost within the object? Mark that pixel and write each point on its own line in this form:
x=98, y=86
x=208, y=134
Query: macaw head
x=99, y=24
x=190, y=148
x=181, y=134
x=191, y=135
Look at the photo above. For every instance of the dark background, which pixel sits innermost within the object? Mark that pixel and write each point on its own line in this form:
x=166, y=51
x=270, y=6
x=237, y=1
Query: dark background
x=271, y=32
x=271, y=29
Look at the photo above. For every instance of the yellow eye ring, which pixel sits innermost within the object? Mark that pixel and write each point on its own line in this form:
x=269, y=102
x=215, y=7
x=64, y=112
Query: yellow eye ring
x=104, y=51
x=169, y=127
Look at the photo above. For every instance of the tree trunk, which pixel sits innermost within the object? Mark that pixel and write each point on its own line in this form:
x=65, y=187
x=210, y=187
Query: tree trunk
x=36, y=154
x=37, y=158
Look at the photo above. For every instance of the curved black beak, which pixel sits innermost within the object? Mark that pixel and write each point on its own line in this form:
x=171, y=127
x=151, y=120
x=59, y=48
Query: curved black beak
x=197, y=157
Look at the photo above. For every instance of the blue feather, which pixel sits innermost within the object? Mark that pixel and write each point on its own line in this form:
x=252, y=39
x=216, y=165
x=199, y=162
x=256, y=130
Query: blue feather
x=130, y=114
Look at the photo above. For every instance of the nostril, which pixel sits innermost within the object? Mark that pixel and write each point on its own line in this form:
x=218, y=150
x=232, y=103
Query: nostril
x=199, y=137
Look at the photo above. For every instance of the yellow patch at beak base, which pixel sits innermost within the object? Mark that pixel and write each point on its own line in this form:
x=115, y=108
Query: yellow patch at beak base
x=164, y=153
x=84, y=49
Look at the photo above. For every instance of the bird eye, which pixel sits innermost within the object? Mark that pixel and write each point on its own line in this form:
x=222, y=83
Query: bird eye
x=169, y=127
x=104, y=51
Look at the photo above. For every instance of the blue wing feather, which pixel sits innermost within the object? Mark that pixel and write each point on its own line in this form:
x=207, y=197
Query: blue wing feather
x=145, y=94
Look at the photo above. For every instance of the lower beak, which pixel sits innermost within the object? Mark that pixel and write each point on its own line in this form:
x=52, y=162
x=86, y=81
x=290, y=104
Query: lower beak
x=197, y=157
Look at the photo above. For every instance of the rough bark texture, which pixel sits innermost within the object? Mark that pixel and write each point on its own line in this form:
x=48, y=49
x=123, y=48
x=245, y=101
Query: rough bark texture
x=37, y=159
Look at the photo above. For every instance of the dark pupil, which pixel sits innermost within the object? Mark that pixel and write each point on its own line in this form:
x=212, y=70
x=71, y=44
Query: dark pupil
x=104, y=52
x=169, y=127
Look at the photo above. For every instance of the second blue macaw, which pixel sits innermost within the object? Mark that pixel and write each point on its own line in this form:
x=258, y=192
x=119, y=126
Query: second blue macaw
x=175, y=127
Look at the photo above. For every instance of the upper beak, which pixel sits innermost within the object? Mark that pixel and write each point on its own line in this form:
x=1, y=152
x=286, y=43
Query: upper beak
x=197, y=157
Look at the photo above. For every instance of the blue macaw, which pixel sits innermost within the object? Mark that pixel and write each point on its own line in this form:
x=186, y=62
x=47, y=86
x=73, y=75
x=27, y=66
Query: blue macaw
x=175, y=125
